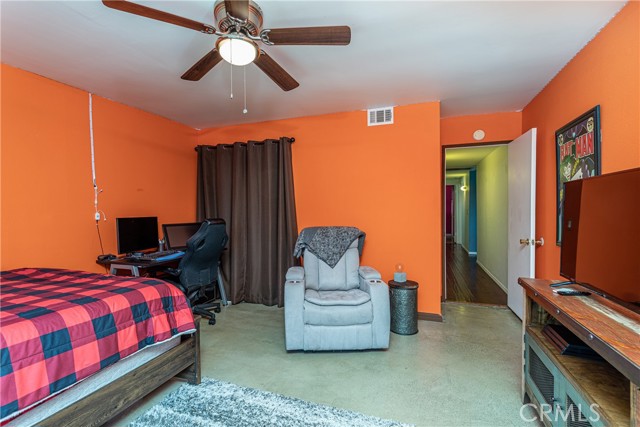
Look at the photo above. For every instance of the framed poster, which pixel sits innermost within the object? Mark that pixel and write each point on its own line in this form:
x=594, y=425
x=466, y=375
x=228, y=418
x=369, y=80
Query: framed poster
x=577, y=156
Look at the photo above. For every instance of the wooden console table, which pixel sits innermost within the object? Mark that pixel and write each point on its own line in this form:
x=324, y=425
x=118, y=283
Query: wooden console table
x=606, y=392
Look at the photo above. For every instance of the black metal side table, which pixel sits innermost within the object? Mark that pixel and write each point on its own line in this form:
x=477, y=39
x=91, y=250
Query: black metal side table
x=404, y=307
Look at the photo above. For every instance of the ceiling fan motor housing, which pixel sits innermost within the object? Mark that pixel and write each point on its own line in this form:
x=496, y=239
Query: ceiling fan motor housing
x=224, y=23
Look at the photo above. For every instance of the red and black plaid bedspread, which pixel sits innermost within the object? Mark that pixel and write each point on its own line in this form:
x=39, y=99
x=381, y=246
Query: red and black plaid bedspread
x=60, y=326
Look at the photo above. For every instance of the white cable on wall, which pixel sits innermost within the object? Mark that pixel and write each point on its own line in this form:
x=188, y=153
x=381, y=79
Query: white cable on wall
x=96, y=191
x=93, y=155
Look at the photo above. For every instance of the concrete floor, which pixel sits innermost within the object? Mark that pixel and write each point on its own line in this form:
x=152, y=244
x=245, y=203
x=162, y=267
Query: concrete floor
x=463, y=372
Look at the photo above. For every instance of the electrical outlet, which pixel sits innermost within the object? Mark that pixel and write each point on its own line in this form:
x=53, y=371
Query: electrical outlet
x=97, y=216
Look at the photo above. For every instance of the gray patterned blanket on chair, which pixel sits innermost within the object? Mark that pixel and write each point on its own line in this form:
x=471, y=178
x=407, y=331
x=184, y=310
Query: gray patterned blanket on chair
x=328, y=243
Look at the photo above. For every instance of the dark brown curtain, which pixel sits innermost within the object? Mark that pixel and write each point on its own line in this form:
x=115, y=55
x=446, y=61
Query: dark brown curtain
x=250, y=186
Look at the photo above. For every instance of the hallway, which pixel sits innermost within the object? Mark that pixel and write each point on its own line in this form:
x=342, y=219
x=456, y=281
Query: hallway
x=468, y=282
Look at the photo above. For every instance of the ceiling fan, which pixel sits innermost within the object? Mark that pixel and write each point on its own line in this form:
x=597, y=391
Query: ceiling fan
x=239, y=25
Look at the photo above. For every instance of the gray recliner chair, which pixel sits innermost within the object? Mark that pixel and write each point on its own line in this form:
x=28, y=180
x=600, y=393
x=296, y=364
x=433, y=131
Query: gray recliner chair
x=341, y=308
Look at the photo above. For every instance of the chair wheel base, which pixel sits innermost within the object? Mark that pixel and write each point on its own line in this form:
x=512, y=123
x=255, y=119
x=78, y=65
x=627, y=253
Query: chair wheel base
x=204, y=312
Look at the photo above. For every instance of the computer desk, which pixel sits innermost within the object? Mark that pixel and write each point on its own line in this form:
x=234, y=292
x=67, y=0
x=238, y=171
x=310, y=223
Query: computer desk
x=139, y=268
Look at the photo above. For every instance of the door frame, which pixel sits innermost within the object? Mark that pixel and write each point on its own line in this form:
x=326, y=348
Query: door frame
x=454, y=206
x=443, y=212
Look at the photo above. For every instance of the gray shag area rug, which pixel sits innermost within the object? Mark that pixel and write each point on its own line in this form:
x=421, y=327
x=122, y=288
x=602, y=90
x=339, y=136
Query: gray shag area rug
x=217, y=403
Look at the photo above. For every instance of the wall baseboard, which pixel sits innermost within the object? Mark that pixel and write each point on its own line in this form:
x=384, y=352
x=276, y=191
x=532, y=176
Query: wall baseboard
x=467, y=250
x=494, y=278
x=432, y=317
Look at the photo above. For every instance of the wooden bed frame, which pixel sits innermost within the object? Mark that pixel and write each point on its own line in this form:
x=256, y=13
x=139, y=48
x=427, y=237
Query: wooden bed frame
x=181, y=362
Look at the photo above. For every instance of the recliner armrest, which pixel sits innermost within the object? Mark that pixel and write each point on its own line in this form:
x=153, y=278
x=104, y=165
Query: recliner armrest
x=295, y=273
x=294, y=289
x=369, y=273
x=379, y=292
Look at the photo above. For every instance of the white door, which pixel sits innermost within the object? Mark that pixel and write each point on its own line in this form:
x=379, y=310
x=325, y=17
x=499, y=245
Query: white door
x=522, y=212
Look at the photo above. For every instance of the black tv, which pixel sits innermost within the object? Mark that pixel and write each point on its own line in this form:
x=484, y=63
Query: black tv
x=600, y=235
x=137, y=234
x=176, y=235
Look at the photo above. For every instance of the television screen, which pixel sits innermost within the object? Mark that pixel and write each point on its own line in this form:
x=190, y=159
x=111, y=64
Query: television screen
x=600, y=234
x=176, y=235
x=137, y=234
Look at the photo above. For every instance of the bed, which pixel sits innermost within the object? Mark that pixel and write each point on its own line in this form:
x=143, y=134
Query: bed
x=116, y=338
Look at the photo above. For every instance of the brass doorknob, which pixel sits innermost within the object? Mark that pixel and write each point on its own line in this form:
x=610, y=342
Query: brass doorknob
x=532, y=242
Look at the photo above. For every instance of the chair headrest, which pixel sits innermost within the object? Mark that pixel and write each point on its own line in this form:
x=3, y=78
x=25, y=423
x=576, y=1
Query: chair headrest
x=328, y=243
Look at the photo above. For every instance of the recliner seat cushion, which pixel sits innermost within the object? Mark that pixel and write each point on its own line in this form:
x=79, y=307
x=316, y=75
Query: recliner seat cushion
x=337, y=308
x=350, y=297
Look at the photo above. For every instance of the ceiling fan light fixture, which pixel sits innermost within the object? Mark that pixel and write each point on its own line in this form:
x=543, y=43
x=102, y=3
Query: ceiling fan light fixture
x=237, y=49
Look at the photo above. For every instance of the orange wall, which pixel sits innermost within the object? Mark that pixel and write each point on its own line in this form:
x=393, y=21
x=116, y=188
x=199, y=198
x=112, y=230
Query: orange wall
x=384, y=180
x=496, y=126
x=605, y=72
x=393, y=189
x=47, y=194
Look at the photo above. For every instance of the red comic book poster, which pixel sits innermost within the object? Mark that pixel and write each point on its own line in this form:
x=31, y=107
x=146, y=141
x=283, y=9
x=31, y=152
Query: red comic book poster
x=577, y=155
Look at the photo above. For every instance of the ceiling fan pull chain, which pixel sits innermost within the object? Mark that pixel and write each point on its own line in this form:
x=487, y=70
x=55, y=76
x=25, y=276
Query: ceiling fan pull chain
x=231, y=88
x=231, y=70
x=244, y=71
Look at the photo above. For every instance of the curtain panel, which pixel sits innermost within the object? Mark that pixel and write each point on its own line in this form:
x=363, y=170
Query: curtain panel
x=250, y=186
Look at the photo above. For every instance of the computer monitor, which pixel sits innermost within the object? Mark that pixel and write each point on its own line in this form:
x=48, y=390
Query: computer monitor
x=137, y=234
x=176, y=235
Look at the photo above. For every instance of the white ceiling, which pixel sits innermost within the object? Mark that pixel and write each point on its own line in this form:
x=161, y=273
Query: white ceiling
x=475, y=57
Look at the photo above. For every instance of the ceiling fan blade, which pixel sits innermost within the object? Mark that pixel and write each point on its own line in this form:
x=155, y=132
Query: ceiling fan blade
x=239, y=9
x=339, y=35
x=203, y=66
x=272, y=69
x=147, y=12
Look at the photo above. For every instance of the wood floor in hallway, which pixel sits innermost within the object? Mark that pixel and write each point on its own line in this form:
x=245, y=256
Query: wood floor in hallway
x=467, y=281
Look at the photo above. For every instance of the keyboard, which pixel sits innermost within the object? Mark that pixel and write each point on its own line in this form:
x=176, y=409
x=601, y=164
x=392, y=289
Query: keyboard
x=156, y=256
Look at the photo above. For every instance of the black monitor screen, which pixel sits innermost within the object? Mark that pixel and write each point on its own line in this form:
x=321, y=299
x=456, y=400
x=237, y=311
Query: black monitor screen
x=600, y=233
x=137, y=234
x=176, y=235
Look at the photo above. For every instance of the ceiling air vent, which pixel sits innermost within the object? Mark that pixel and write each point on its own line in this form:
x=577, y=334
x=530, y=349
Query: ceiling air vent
x=380, y=116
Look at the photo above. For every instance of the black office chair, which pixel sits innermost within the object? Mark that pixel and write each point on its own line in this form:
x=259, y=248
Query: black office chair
x=197, y=272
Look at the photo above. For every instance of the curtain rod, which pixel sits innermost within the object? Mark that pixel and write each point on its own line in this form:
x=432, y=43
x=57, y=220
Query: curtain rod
x=291, y=140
